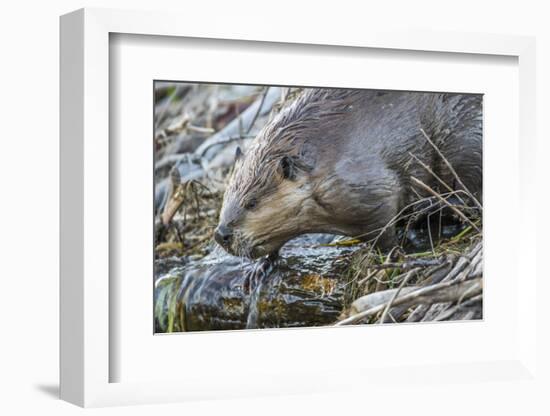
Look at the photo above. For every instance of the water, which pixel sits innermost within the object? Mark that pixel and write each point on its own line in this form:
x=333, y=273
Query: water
x=253, y=307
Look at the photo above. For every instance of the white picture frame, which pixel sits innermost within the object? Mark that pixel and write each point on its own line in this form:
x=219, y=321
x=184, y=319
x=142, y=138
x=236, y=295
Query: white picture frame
x=85, y=165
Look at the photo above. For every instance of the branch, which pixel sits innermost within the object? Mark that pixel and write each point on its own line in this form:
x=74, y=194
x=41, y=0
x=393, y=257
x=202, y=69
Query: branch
x=451, y=169
x=456, y=211
x=442, y=292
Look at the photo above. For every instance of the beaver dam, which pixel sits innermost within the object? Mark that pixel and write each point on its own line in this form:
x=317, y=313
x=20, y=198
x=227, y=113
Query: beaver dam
x=423, y=262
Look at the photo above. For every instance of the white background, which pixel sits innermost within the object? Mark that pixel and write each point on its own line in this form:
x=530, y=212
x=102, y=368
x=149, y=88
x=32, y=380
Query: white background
x=29, y=209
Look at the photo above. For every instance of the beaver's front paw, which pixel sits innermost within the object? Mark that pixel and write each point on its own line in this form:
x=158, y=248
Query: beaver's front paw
x=259, y=270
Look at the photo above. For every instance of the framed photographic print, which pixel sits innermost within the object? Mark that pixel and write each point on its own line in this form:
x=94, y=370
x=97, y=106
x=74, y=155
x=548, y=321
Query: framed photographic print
x=276, y=176
x=236, y=210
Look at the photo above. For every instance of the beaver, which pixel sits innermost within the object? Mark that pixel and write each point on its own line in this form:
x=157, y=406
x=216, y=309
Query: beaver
x=342, y=161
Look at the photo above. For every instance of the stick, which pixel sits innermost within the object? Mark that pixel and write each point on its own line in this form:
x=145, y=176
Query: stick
x=377, y=298
x=257, y=112
x=232, y=129
x=442, y=292
x=430, y=171
x=451, y=169
x=451, y=311
x=408, y=265
x=434, y=193
x=403, y=283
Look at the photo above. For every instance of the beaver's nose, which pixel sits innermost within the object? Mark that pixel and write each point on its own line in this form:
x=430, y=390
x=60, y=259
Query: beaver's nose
x=223, y=235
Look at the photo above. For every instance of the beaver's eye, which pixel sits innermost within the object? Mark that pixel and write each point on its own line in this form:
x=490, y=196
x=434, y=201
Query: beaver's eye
x=251, y=204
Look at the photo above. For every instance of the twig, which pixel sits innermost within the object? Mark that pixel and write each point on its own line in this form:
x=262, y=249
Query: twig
x=199, y=129
x=431, y=172
x=257, y=112
x=228, y=140
x=430, y=234
x=451, y=311
x=408, y=265
x=377, y=298
x=434, y=193
x=403, y=283
x=233, y=128
x=418, y=313
x=451, y=169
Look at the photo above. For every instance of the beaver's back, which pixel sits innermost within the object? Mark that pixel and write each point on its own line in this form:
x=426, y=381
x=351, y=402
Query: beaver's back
x=386, y=128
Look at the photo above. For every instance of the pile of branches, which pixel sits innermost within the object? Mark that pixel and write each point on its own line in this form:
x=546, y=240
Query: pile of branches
x=446, y=287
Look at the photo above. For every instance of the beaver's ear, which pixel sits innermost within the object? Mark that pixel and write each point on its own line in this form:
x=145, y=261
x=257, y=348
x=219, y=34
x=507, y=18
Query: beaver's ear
x=238, y=153
x=288, y=168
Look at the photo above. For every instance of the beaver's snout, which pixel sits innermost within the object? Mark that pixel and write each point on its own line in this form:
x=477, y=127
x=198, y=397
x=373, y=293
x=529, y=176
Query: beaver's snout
x=223, y=236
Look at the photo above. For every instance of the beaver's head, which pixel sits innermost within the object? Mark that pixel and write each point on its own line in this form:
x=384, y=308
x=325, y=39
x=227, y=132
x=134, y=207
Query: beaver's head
x=266, y=201
x=273, y=194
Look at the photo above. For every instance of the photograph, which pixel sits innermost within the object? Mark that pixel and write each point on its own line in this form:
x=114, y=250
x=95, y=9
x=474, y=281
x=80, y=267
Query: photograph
x=284, y=206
